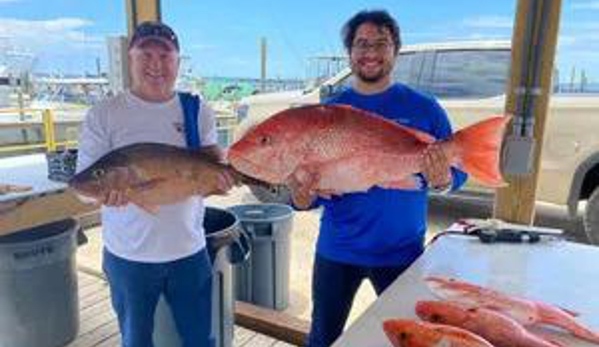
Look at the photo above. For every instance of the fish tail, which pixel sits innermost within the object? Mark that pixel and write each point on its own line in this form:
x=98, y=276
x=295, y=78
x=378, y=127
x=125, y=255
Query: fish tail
x=478, y=149
x=556, y=317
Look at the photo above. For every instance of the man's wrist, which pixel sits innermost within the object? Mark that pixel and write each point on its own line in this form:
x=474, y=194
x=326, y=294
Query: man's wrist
x=442, y=189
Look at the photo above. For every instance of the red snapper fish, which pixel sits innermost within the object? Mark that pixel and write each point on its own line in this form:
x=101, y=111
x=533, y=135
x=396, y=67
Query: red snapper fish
x=351, y=150
x=495, y=327
x=526, y=312
x=410, y=333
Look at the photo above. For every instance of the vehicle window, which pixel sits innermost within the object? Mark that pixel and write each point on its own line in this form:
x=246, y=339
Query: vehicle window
x=468, y=74
x=408, y=69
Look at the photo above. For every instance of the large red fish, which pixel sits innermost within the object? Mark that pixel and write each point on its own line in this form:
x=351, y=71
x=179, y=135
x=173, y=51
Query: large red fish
x=351, y=150
x=495, y=327
x=409, y=333
x=526, y=312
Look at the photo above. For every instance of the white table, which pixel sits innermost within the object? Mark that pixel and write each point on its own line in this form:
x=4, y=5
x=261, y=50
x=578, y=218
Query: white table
x=27, y=170
x=561, y=273
x=48, y=201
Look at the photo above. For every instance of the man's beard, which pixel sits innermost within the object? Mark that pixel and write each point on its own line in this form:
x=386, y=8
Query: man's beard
x=371, y=79
x=377, y=77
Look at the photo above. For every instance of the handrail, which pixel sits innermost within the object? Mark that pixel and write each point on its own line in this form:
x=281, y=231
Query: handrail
x=50, y=143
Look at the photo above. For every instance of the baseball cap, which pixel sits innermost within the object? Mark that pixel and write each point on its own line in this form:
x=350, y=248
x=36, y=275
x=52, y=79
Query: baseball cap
x=154, y=31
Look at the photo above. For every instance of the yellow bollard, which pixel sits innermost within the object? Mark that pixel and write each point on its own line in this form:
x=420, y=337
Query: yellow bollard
x=50, y=136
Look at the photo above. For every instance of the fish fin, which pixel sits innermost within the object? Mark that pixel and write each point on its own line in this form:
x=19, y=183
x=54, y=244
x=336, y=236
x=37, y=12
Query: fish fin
x=547, y=338
x=327, y=193
x=479, y=149
x=570, y=312
x=408, y=183
x=420, y=135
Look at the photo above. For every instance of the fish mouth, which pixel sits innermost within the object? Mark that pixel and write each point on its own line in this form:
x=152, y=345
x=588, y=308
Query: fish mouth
x=252, y=169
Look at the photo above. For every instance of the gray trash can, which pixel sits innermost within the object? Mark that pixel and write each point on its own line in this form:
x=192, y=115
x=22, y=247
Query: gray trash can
x=227, y=244
x=39, y=305
x=264, y=279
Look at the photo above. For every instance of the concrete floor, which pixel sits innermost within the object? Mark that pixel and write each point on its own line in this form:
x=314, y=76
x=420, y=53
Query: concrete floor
x=443, y=212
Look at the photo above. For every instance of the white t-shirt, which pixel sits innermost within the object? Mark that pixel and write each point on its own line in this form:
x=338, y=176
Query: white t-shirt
x=130, y=232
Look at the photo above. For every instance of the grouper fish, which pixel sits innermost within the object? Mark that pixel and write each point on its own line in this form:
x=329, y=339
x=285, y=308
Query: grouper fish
x=153, y=174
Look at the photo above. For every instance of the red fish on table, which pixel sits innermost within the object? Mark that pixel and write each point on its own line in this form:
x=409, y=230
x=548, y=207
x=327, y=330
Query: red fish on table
x=526, y=312
x=497, y=328
x=410, y=333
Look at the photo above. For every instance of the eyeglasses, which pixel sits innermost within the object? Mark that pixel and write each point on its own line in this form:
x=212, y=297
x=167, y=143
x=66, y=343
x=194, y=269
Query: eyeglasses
x=362, y=47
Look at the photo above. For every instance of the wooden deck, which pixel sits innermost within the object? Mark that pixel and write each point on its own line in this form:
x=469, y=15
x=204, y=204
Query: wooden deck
x=99, y=327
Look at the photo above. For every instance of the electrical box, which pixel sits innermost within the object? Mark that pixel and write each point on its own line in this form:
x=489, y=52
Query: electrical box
x=518, y=155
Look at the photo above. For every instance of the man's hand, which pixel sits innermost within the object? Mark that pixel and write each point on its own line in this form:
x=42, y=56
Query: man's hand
x=115, y=198
x=303, y=188
x=436, y=170
x=118, y=180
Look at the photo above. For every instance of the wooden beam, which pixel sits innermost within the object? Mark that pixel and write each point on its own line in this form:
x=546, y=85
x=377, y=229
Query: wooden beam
x=516, y=202
x=275, y=324
x=139, y=11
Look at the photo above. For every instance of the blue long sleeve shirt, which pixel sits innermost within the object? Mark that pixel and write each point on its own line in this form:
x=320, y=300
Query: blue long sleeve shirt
x=383, y=227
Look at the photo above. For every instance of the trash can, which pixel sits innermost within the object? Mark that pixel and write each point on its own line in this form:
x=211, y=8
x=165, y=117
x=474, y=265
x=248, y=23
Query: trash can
x=39, y=303
x=227, y=244
x=264, y=279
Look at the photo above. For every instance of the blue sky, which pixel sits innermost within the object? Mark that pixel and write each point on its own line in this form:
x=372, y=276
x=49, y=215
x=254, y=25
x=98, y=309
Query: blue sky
x=222, y=37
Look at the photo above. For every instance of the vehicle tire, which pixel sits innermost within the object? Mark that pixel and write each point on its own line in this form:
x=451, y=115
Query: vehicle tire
x=275, y=194
x=591, y=217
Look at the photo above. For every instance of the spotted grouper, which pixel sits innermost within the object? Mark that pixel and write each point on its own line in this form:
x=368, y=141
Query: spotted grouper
x=154, y=174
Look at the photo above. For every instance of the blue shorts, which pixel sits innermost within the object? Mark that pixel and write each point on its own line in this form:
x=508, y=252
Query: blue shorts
x=186, y=285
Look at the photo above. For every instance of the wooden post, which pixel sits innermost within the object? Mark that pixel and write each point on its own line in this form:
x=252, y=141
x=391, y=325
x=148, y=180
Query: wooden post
x=139, y=11
x=530, y=88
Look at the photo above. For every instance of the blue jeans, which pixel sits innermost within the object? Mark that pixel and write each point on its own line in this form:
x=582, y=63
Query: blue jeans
x=334, y=286
x=135, y=288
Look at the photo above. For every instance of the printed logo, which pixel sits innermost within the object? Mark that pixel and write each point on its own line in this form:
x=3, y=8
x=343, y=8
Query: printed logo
x=178, y=127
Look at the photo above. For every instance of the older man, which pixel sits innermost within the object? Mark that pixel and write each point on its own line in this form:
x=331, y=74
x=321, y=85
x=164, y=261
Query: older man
x=146, y=255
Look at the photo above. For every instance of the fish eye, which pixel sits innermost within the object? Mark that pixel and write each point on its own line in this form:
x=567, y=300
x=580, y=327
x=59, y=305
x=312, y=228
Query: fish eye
x=403, y=335
x=435, y=318
x=98, y=173
x=265, y=140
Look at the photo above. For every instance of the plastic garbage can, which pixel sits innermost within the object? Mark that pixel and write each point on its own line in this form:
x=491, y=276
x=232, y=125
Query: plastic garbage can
x=39, y=303
x=226, y=244
x=264, y=279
